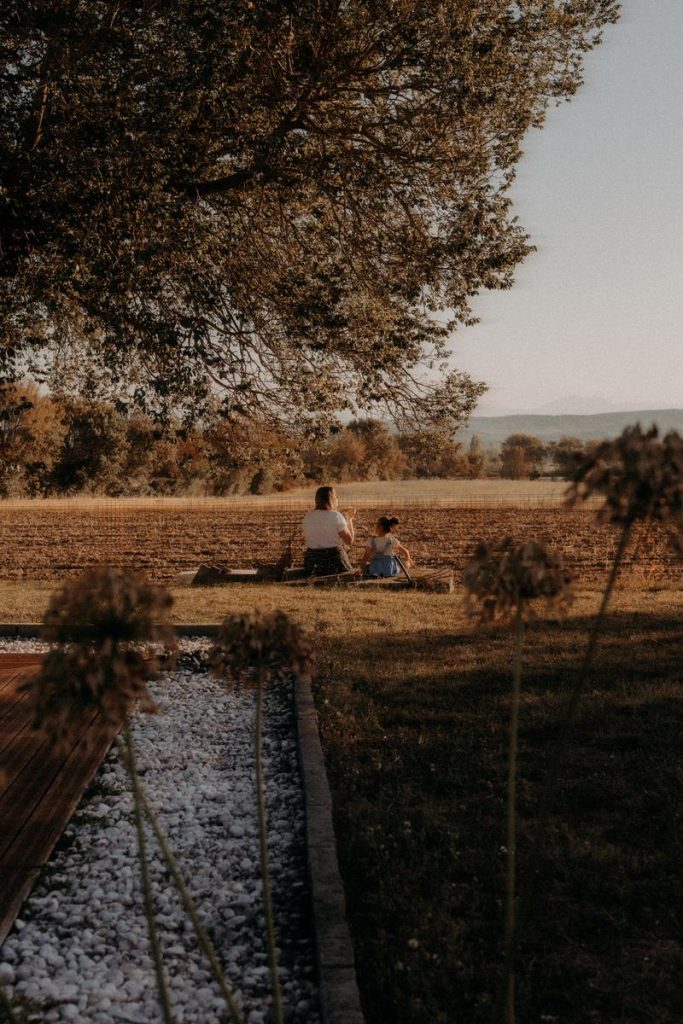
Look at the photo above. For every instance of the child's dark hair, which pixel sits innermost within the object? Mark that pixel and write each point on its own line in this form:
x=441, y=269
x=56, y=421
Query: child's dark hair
x=387, y=523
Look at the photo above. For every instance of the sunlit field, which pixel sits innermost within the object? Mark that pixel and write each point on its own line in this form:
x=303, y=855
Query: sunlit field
x=49, y=540
x=389, y=493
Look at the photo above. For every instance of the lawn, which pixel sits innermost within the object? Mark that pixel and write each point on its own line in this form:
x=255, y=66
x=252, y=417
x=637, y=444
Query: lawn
x=413, y=702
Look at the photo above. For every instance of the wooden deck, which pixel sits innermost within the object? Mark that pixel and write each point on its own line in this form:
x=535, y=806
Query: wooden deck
x=39, y=791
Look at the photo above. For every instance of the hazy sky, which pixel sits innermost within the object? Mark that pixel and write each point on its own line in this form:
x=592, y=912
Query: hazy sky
x=593, y=322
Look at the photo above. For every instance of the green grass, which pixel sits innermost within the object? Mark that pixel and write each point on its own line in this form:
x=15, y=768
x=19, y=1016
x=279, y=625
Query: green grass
x=414, y=705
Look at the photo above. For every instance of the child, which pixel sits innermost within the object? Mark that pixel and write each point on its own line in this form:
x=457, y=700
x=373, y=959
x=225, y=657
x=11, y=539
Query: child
x=380, y=556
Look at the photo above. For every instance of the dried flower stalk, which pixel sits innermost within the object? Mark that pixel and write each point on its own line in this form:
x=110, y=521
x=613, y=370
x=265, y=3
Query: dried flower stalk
x=639, y=476
x=508, y=574
x=502, y=580
x=248, y=644
x=97, y=624
x=255, y=648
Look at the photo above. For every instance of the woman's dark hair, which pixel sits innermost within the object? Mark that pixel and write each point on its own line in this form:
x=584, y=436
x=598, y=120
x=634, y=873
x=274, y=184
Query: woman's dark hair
x=323, y=497
x=387, y=523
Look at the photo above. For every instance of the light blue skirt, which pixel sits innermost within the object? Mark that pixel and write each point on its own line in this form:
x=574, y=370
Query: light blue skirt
x=383, y=565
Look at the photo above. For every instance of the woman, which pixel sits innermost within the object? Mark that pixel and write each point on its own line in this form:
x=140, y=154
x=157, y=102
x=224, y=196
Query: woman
x=326, y=531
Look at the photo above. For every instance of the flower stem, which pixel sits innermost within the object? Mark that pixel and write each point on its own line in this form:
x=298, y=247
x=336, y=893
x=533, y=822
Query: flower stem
x=155, y=946
x=511, y=865
x=191, y=910
x=549, y=790
x=263, y=843
x=7, y=1008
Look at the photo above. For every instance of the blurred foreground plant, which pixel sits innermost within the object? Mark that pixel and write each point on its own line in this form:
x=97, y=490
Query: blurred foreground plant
x=253, y=649
x=504, y=580
x=101, y=626
x=640, y=478
x=97, y=625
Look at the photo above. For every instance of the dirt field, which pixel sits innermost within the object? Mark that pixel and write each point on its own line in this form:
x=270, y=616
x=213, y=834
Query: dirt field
x=48, y=541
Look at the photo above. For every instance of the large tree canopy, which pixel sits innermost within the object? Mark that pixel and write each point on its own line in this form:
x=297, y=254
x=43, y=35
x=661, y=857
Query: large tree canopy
x=290, y=202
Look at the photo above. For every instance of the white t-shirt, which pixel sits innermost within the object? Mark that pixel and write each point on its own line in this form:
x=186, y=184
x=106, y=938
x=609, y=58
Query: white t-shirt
x=385, y=545
x=322, y=526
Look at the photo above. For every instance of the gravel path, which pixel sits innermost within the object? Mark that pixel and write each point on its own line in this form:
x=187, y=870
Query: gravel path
x=80, y=951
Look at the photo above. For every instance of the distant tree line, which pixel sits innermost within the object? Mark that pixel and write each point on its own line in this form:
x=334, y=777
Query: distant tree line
x=525, y=457
x=56, y=447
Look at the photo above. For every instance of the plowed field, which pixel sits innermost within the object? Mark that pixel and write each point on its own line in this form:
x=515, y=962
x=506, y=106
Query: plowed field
x=48, y=542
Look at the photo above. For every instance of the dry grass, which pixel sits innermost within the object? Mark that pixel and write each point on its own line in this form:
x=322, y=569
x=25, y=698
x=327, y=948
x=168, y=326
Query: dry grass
x=338, y=613
x=395, y=493
x=414, y=724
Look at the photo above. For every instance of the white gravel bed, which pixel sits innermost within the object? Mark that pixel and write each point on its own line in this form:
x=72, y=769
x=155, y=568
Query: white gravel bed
x=10, y=645
x=80, y=950
x=15, y=645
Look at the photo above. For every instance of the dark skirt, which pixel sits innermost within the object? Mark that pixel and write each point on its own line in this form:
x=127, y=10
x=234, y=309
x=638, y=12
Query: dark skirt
x=325, y=561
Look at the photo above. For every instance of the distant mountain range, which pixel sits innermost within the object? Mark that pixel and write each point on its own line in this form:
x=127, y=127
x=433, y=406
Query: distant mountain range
x=598, y=426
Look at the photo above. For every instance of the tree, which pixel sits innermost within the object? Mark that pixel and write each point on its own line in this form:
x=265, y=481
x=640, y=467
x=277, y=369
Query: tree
x=92, y=452
x=345, y=456
x=514, y=463
x=382, y=459
x=291, y=203
x=431, y=453
x=15, y=436
x=475, y=460
x=521, y=456
x=31, y=433
x=567, y=453
x=250, y=456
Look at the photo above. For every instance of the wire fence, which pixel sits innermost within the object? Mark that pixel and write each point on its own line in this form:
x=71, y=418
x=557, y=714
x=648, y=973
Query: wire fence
x=49, y=540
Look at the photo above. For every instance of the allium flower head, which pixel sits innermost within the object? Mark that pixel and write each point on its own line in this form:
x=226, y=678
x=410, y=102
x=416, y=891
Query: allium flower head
x=108, y=605
x=96, y=624
x=272, y=642
x=639, y=475
x=504, y=576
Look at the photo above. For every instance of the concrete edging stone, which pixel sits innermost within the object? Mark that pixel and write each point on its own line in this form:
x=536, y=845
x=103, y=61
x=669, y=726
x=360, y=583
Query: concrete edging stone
x=20, y=630
x=336, y=965
x=31, y=630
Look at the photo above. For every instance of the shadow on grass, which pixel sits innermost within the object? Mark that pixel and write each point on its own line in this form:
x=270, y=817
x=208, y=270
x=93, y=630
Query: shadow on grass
x=415, y=732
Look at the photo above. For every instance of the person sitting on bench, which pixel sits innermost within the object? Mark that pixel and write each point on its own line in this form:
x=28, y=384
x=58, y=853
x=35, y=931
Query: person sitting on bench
x=381, y=555
x=326, y=531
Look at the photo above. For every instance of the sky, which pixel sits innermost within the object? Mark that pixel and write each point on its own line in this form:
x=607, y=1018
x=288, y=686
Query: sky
x=594, y=320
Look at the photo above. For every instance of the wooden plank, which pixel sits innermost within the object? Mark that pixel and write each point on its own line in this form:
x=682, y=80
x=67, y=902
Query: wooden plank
x=10, y=661
x=10, y=682
x=25, y=764
x=41, y=789
x=31, y=767
x=15, y=885
x=16, y=716
x=10, y=697
x=34, y=841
